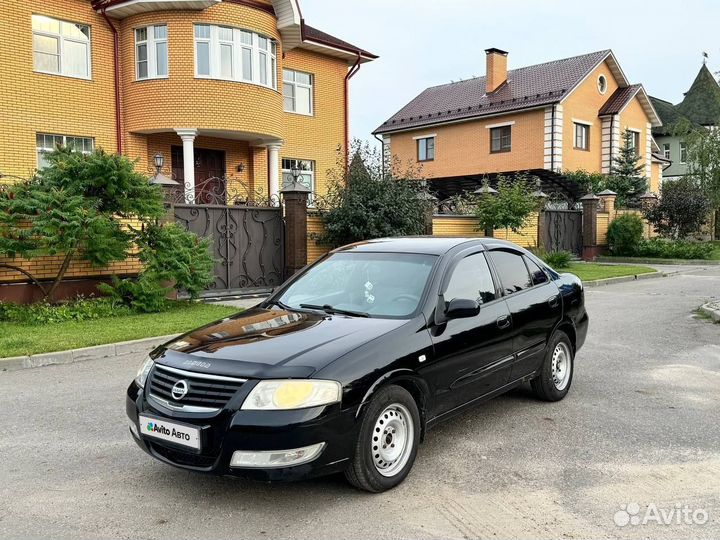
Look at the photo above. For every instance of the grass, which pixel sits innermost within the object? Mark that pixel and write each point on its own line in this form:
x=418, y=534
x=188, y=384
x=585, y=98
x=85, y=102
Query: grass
x=593, y=271
x=22, y=339
x=716, y=252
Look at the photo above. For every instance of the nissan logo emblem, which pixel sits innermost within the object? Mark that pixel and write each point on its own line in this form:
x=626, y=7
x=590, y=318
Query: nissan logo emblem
x=180, y=390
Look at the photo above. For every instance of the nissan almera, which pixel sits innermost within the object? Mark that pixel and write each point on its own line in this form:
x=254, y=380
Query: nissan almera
x=348, y=366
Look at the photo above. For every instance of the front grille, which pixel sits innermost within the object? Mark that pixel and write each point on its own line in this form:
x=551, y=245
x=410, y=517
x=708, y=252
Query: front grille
x=183, y=458
x=205, y=391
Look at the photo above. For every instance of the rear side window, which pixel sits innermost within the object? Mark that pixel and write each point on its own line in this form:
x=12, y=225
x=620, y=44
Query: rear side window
x=512, y=271
x=538, y=276
x=471, y=280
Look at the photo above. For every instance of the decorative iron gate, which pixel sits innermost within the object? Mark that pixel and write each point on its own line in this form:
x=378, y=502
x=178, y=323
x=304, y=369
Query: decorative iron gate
x=562, y=230
x=246, y=240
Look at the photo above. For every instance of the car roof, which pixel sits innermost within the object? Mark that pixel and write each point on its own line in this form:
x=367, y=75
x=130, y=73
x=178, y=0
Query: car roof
x=430, y=245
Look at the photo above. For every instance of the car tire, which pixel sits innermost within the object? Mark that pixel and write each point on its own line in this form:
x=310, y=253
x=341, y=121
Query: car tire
x=388, y=441
x=553, y=381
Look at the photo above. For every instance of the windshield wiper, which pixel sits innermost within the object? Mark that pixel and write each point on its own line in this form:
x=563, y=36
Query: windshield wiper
x=327, y=308
x=279, y=304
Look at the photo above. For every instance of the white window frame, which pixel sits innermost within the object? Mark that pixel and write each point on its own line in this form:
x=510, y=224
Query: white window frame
x=306, y=172
x=585, y=126
x=62, y=39
x=666, y=150
x=46, y=149
x=295, y=84
x=151, y=43
x=683, y=150
x=237, y=56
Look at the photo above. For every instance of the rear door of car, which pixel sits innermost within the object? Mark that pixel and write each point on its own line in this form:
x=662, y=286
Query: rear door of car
x=473, y=356
x=534, y=304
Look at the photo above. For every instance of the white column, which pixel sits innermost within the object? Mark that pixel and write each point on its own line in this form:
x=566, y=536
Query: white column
x=188, y=138
x=274, y=172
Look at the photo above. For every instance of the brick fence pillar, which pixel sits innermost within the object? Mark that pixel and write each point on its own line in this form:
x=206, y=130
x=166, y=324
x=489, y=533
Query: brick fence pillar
x=295, y=198
x=590, y=248
x=608, y=197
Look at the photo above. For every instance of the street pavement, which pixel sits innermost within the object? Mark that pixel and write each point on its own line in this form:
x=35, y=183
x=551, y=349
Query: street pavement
x=637, y=436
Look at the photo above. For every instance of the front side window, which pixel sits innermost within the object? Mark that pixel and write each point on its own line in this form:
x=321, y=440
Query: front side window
x=471, y=280
x=512, y=271
x=683, y=152
x=298, y=91
x=500, y=139
x=666, y=150
x=633, y=140
x=383, y=285
x=46, y=143
x=222, y=52
x=60, y=47
x=582, y=136
x=307, y=172
x=426, y=149
x=151, y=52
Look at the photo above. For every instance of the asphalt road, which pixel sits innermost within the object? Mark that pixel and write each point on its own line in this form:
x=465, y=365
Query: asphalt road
x=640, y=425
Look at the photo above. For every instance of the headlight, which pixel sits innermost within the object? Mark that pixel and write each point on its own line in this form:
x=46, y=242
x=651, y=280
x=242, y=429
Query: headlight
x=142, y=373
x=278, y=395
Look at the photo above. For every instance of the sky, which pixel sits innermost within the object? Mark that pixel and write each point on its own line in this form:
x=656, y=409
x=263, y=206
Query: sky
x=423, y=43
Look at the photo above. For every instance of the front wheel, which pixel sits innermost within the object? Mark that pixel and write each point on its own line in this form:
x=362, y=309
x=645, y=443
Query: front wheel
x=553, y=381
x=388, y=441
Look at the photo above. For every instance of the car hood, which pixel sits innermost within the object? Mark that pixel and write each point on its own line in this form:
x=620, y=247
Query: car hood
x=271, y=343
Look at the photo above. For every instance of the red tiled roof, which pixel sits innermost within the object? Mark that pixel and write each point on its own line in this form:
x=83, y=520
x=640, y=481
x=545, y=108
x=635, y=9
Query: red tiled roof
x=617, y=101
x=313, y=34
x=532, y=86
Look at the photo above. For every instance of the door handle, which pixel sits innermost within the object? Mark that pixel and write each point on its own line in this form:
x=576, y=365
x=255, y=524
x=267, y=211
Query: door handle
x=553, y=301
x=503, y=322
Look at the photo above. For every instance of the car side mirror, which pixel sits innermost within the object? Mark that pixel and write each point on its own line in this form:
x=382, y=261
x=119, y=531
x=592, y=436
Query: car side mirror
x=462, y=308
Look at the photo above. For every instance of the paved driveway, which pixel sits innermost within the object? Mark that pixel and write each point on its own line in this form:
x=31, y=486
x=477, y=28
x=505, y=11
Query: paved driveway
x=640, y=425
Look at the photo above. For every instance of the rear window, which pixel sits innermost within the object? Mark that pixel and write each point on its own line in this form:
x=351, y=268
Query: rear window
x=512, y=271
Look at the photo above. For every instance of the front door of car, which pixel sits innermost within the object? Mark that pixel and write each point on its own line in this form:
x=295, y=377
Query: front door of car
x=535, y=306
x=473, y=355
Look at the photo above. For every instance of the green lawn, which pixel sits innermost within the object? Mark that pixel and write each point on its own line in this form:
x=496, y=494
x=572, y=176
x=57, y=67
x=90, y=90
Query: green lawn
x=21, y=339
x=716, y=252
x=592, y=271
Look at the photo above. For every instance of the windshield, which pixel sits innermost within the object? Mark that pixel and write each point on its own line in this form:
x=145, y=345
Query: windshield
x=376, y=284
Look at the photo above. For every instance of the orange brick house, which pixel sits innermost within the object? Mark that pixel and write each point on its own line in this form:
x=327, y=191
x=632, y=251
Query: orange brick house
x=241, y=89
x=544, y=119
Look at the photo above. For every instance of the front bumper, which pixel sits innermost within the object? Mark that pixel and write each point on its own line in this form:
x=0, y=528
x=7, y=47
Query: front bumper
x=230, y=429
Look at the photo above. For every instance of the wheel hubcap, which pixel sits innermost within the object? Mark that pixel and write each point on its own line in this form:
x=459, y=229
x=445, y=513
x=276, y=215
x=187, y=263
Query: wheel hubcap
x=392, y=439
x=561, y=366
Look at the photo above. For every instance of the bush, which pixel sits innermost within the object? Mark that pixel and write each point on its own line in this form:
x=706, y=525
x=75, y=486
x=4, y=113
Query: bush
x=682, y=209
x=675, y=249
x=146, y=294
x=82, y=309
x=510, y=208
x=558, y=259
x=625, y=234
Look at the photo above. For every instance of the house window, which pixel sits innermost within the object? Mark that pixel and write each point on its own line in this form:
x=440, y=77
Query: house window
x=683, y=152
x=307, y=174
x=60, y=47
x=666, y=150
x=582, y=136
x=298, y=91
x=222, y=52
x=426, y=149
x=602, y=84
x=45, y=143
x=151, y=52
x=500, y=139
x=633, y=141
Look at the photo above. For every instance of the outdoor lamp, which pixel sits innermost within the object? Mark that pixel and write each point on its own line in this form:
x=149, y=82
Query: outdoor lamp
x=485, y=190
x=159, y=161
x=295, y=172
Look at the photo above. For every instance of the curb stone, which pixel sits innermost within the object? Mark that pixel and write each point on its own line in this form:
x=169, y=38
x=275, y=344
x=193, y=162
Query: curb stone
x=624, y=279
x=712, y=310
x=648, y=260
x=86, y=353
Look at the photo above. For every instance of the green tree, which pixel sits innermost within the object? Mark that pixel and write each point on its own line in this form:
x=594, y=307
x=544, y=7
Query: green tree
x=589, y=182
x=703, y=164
x=97, y=208
x=682, y=209
x=510, y=208
x=365, y=202
x=626, y=178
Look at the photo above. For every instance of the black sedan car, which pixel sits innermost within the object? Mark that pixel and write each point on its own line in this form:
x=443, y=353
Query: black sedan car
x=348, y=365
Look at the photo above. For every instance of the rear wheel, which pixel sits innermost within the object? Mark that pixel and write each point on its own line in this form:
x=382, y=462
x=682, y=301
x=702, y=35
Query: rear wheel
x=556, y=373
x=388, y=441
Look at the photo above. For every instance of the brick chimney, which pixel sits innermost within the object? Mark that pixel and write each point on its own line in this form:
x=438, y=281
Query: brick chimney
x=496, y=69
